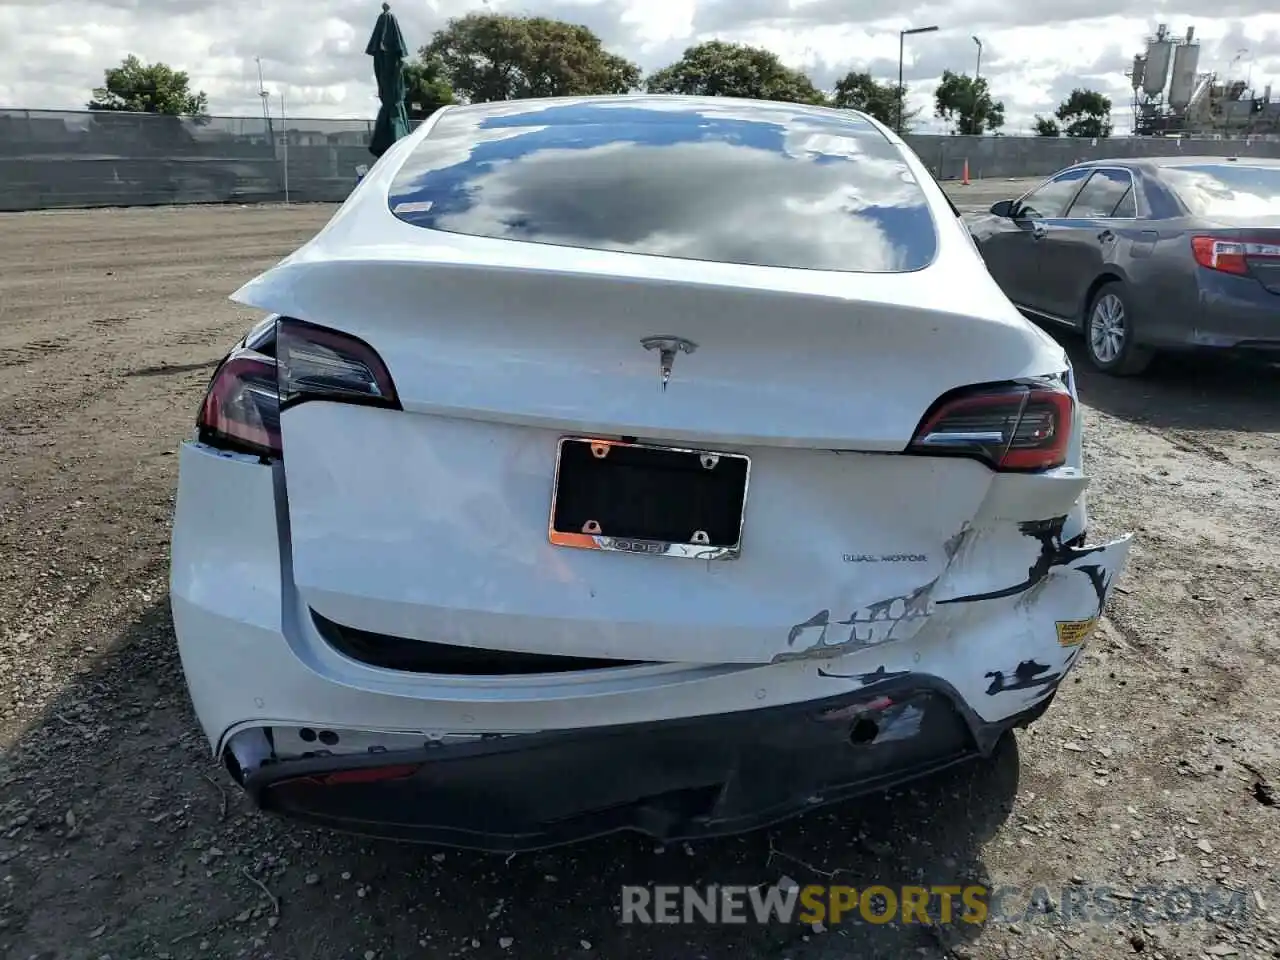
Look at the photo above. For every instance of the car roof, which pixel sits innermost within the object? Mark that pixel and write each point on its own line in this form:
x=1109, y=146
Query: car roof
x=1181, y=160
x=589, y=109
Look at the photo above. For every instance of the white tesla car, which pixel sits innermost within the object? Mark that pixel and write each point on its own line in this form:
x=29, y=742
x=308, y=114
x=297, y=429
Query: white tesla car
x=654, y=463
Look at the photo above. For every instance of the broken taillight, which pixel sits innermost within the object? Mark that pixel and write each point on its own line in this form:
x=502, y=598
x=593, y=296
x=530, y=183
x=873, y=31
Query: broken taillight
x=1013, y=427
x=269, y=373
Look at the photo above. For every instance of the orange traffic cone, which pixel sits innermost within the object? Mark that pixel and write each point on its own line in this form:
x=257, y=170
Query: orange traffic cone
x=964, y=181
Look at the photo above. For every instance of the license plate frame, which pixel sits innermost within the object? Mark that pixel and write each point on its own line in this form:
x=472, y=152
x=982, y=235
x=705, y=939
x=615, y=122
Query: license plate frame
x=718, y=540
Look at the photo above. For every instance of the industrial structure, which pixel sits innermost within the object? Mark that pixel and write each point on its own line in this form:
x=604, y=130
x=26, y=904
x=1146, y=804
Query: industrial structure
x=1171, y=97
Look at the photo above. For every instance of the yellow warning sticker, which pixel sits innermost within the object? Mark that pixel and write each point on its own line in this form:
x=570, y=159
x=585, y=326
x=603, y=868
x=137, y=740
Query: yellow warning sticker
x=1072, y=633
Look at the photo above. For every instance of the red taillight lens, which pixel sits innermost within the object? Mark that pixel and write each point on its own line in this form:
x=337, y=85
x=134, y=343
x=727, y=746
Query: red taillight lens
x=1232, y=256
x=1224, y=255
x=241, y=409
x=1014, y=428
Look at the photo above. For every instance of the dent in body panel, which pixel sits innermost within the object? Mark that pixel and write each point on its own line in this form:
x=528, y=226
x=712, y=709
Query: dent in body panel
x=1052, y=552
x=893, y=618
x=975, y=555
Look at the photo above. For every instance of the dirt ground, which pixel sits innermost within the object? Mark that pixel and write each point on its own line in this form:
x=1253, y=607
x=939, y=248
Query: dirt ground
x=1155, y=771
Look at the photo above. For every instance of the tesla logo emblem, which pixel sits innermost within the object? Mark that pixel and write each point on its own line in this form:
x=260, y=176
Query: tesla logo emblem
x=667, y=348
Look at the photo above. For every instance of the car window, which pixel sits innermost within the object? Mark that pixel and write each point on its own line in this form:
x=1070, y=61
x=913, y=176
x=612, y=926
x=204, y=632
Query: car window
x=1127, y=208
x=772, y=185
x=1100, y=196
x=1051, y=199
x=1226, y=189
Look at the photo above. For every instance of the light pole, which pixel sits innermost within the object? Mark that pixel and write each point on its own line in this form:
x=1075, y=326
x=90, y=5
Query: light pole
x=266, y=109
x=902, y=36
x=977, y=69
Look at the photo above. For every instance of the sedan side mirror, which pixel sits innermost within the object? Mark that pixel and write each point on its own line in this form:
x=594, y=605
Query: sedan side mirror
x=1003, y=208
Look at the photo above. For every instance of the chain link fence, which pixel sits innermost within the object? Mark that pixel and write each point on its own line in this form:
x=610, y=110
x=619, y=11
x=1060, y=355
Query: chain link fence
x=51, y=158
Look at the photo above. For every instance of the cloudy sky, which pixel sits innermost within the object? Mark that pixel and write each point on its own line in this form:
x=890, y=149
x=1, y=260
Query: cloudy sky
x=52, y=52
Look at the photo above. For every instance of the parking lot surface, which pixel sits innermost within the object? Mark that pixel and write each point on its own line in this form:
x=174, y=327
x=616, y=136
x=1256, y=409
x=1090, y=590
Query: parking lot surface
x=1155, y=771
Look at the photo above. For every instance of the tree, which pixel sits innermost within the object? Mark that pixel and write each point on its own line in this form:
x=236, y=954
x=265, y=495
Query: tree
x=1086, y=113
x=490, y=56
x=721, y=69
x=967, y=103
x=426, y=88
x=1047, y=127
x=139, y=87
x=859, y=91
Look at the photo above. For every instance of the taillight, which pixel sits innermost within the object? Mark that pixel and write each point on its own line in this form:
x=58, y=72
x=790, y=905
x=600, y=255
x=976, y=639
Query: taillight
x=1017, y=427
x=241, y=409
x=317, y=363
x=1231, y=256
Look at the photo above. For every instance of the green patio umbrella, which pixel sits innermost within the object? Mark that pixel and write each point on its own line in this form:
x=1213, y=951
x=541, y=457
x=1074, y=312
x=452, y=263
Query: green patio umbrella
x=387, y=48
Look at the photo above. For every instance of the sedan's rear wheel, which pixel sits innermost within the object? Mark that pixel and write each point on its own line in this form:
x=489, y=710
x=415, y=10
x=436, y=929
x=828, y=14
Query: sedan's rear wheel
x=1109, y=334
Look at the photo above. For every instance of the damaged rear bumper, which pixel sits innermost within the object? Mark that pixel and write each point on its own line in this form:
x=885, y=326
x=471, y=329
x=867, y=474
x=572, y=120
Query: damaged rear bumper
x=880, y=713
x=671, y=780
x=680, y=749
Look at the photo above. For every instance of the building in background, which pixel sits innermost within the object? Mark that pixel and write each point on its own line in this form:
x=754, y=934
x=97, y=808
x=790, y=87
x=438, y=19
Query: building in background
x=1173, y=98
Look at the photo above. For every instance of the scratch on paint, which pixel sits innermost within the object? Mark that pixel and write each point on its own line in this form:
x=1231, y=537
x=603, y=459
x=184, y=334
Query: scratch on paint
x=1026, y=675
x=879, y=675
x=955, y=541
x=902, y=724
x=1030, y=675
x=879, y=622
x=893, y=611
x=820, y=619
x=1101, y=580
x=1053, y=553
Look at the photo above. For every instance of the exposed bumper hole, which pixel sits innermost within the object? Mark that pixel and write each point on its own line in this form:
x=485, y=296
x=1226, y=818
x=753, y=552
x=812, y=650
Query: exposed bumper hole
x=864, y=730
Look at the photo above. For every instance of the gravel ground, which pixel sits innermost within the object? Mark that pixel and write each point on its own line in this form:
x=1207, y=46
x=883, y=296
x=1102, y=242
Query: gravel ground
x=120, y=837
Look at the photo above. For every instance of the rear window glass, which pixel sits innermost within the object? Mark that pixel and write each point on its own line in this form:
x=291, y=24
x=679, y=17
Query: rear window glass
x=1227, y=189
x=735, y=182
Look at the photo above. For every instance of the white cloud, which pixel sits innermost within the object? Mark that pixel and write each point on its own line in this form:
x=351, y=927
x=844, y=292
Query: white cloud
x=53, y=52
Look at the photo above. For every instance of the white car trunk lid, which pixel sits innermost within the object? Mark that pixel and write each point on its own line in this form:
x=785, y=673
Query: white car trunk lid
x=564, y=349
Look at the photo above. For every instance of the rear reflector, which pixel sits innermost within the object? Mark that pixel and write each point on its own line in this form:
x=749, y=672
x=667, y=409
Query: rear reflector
x=1016, y=427
x=1232, y=256
x=367, y=775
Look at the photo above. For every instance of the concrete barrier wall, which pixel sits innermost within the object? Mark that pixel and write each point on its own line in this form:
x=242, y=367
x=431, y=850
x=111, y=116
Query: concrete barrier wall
x=1042, y=156
x=52, y=159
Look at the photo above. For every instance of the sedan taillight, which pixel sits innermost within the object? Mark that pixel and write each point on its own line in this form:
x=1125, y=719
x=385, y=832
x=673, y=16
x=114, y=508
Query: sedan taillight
x=301, y=362
x=1015, y=427
x=1232, y=256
